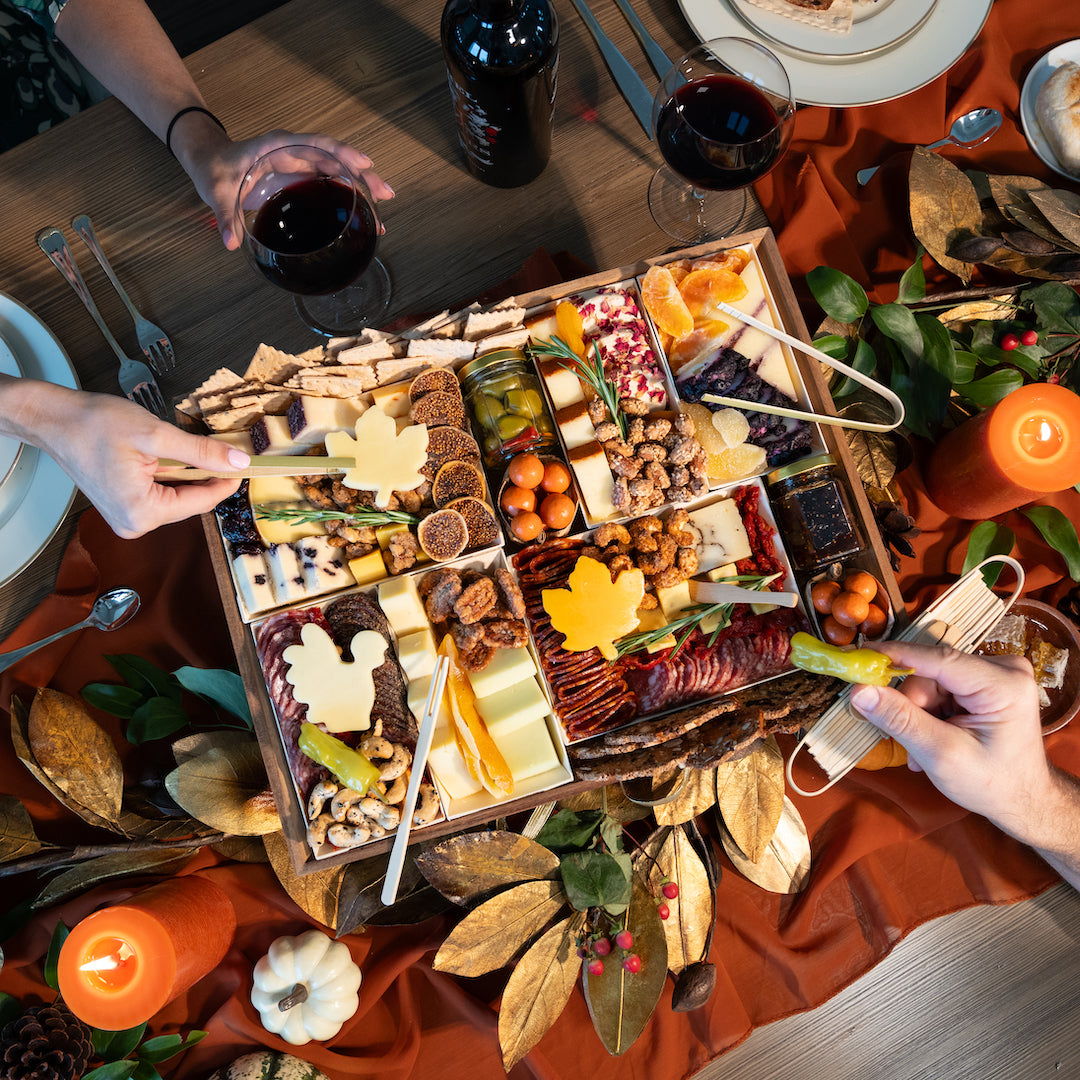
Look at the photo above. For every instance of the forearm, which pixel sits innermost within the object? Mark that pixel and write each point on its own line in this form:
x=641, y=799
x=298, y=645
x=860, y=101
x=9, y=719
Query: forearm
x=36, y=412
x=1052, y=825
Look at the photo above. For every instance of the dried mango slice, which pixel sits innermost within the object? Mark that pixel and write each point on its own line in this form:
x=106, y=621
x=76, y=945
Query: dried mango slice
x=679, y=269
x=595, y=611
x=570, y=327
x=664, y=303
x=702, y=288
x=688, y=349
x=734, y=259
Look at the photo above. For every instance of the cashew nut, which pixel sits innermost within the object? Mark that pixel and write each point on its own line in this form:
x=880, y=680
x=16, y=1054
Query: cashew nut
x=340, y=803
x=317, y=830
x=427, y=805
x=387, y=817
x=398, y=763
x=345, y=836
x=396, y=792
x=323, y=790
x=375, y=746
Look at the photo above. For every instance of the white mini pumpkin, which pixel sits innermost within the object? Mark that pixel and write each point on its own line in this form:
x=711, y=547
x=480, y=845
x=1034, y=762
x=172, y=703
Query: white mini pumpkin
x=306, y=987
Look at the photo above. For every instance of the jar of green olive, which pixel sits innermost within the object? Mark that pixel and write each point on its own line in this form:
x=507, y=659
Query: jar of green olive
x=510, y=415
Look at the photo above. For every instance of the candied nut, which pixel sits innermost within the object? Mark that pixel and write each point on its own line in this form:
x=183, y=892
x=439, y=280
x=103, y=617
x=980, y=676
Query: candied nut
x=683, y=451
x=620, y=495
x=676, y=522
x=510, y=593
x=441, y=594
x=467, y=635
x=607, y=430
x=634, y=406
x=668, y=577
x=686, y=560
x=617, y=446
x=656, y=429
x=652, y=451
x=698, y=486
x=618, y=563
x=640, y=488
x=628, y=467
x=410, y=501
x=684, y=424
x=476, y=600
x=591, y=551
x=477, y=658
x=643, y=533
x=635, y=431
x=658, y=498
x=611, y=532
x=649, y=602
x=680, y=475
x=639, y=505
x=597, y=410
x=697, y=462
x=678, y=493
x=504, y=634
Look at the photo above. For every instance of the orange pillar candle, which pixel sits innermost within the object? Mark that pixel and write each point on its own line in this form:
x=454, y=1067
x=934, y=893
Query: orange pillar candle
x=122, y=964
x=1018, y=450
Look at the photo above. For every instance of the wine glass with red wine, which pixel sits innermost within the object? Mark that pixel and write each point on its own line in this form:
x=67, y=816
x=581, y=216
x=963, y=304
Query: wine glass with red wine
x=311, y=228
x=723, y=117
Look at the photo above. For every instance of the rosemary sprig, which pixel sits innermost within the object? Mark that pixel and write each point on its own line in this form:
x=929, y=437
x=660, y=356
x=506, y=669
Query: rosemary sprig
x=298, y=515
x=591, y=370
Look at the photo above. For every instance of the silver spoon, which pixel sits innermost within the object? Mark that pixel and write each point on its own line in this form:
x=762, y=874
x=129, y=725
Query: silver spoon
x=110, y=611
x=967, y=131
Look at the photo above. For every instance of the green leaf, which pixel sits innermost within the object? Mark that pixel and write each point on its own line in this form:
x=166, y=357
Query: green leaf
x=144, y=676
x=966, y=365
x=114, y=698
x=10, y=1007
x=913, y=281
x=144, y=1070
x=166, y=1046
x=595, y=879
x=114, y=1045
x=937, y=349
x=986, y=539
x=864, y=362
x=155, y=719
x=52, y=957
x=991, y=389
x=1059, y=532
x=218, y=686
x=905, y=387
x=898, y=323
x=611, y=832
x=1056, y=307
x=841, y=297
x=834, y=345
x=569, y=830
x=112, y=1070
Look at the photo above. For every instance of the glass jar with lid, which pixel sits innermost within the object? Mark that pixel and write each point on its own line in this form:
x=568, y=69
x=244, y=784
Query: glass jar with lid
x=502, y=392
x=815, y=512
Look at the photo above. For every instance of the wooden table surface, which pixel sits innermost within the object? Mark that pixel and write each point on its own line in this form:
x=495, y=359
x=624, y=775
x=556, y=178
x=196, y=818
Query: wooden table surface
x=985, y=994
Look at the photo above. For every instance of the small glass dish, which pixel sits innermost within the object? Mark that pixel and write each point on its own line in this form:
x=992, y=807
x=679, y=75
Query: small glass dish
x=835, y=575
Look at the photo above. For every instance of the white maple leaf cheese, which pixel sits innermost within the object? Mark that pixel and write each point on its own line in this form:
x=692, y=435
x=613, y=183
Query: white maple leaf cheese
x=339, y=696
x=386, y=461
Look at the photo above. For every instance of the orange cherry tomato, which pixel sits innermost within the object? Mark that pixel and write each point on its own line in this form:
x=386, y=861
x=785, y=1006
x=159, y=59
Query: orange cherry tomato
x=526, y=526
x=515, y=499
x=556, y=476
x=850, y=608
x=859, y=581
x=822, y=595
x=835, y=633
x=873, y=626
x=525, y=470
x=557, y=510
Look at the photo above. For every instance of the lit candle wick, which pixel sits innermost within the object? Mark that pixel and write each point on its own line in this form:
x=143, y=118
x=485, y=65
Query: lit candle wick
x=111, y=961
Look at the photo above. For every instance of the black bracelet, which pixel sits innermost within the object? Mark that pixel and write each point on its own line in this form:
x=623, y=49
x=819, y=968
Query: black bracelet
x=183, y=112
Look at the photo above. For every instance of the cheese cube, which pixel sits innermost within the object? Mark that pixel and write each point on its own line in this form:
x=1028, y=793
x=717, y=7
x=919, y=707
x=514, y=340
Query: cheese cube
x=725, y=570
x=575, y=425
x=654, y=619
x=325, y=567
x=507, y=666
x=416, y=655
x=517, y=705
x=272, y=435
x=594, y=479
x=563, y=387
x=400, y=603
x=286, y=573
x=528, y=751
x=674, y=599
x=723, y=536
x=252, y=577
x=447, y=765
x=368, y=568
x=393, y=399
x=280, y=492
x=311, y=419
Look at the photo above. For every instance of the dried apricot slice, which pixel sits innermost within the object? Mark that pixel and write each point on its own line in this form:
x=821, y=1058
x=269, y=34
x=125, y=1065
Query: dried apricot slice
x=568, y=322
x=734, y=259
x=701, y=288
x=679, y=269
x=664, y=303
x=687, y=349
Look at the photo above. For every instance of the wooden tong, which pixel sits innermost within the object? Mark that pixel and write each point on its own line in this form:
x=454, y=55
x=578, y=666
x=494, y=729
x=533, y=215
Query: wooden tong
x=271, y=465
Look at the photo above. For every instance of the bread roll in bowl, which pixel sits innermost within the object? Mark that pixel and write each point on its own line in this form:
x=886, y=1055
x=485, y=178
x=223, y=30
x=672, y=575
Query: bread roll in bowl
x=1057, y=109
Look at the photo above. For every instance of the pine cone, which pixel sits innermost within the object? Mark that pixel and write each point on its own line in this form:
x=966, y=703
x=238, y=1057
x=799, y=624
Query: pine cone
x=897, y=530
x=47, y=1042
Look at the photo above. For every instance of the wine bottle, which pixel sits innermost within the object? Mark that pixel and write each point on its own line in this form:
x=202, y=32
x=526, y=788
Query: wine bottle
x=502, y=62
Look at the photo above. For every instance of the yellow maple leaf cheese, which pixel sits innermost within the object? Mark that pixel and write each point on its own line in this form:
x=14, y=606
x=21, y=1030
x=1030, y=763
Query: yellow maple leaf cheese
x=386, y=461
x=594, y=611
x=338, y=695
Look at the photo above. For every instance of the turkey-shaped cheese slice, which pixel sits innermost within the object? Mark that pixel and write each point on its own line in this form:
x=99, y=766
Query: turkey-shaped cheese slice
x=339, y=696
x=386, y=461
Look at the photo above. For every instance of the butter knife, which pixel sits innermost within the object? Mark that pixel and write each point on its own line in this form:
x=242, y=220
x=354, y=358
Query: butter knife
x=629, y=82
x=659, y=59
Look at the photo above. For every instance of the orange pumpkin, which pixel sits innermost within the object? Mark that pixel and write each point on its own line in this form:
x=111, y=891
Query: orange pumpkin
x=886, y=754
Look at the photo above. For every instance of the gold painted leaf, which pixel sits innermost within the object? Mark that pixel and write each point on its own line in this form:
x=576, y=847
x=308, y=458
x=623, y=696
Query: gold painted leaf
x=202, y=742
x=489, y=937
x=620, y=1003
x=76, y=753
x=17, y=836
x=944, y=208
x=1011, y=193
x=694, y=797
x=106, y=867
x=1062, y=209
x=470, y=864
x=619, y=807
x=162, y=829
x=227, y=789
x=691, y=912
x=315, y=893
x=990, y=309
x=750, y=797
x=784, y=866
x=874, y=454
x=245, y=849
x=538, y=989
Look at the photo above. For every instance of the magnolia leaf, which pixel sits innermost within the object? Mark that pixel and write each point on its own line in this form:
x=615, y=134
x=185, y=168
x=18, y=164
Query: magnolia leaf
x=538, y=989
x=1059, y=532
x=670, y=854
x=621, y=1003
x=992, y=308
x=360, y=896
x=222, y=688
x=1012, y=191
x=315, y=893
x=874, y=454
x=1030, y=219
x=162, y=829
x=1062, y=209
x=489, y=937
x=243, y=849
x=750, y=797
x=784, y=865
x=227, y=788
x=986, y=539
x=17, y=836
x=117, y=864
x=467, y=865
x=76, y=753
x=944, y=208
x=611, y=798
x=202, y=742
x=694, y=797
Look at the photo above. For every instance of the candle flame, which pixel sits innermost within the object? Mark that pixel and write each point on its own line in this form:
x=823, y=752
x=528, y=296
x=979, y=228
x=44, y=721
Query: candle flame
x=111, y=961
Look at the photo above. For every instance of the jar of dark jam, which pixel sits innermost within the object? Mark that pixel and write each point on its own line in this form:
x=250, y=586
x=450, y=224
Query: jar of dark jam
x=502, y=391
x=814, y=512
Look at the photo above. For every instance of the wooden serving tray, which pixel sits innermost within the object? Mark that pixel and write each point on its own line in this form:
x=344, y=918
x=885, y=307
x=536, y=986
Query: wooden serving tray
x=875, y=560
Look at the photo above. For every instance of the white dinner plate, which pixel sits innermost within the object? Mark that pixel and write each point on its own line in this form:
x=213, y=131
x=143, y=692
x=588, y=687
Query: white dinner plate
x=877, y=25
x=1043, y=68
x=935, y=46
x=35, y=493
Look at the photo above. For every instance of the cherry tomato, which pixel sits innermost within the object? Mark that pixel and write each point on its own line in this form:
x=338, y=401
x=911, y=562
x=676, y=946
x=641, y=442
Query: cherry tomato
x=850, y=608
x=556, y=477
x=834, y=633
x=1029, y=337
x=859, y=581
x=873, y=626
x=557, y=510
x=526, y=526
x=525, y=470
x=515, y=499
x=822, y=595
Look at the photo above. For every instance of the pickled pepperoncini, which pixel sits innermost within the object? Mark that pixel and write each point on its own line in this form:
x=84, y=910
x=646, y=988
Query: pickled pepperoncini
x=348, y=765
x=852, y=665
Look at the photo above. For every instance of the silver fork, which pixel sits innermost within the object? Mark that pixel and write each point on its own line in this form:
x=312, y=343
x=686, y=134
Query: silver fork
x=154, y=342
x=136, y=379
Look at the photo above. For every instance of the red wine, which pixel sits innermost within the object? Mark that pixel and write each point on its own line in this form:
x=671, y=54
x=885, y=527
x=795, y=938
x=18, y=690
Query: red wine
x=314, y=236
x=719, y=132
x=502, y=64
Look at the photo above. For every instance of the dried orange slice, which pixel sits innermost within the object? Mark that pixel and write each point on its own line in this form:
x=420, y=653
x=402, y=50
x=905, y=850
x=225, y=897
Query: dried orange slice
x=734, y=259
x=570, y=328
x=664, y=303
x=702, y=340
x=701, y=288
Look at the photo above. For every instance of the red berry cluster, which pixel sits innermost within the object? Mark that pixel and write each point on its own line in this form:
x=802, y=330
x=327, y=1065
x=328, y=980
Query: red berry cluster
x=596, y=946
x=1010, y=341
x=670, y=891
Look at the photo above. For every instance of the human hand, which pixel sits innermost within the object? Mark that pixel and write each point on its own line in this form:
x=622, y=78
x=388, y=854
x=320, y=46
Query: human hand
x=217, y=167
x=971, y=723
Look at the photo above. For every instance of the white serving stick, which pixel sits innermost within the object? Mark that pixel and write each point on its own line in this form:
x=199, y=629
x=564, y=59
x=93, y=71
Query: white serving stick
x=720, y=592
x=817, y=354
x=419, y=763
